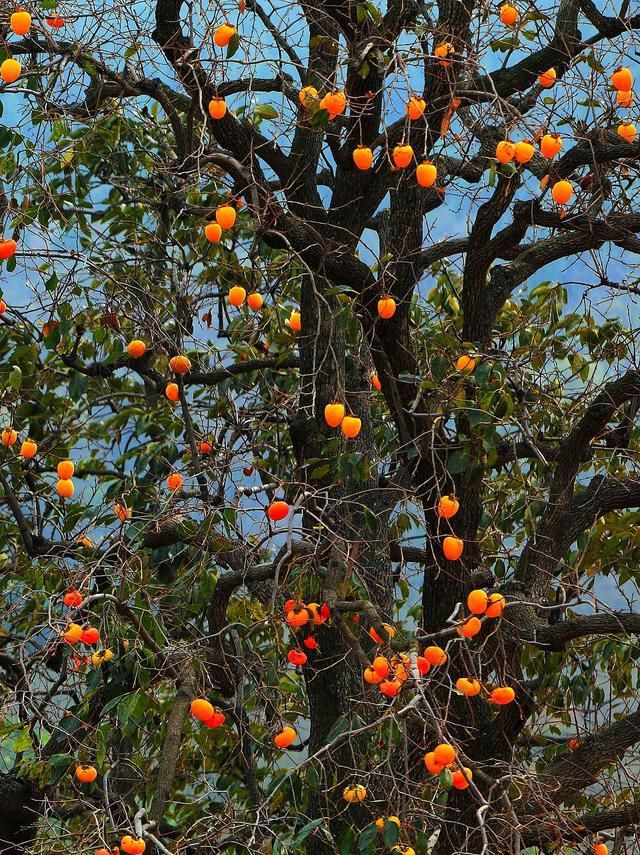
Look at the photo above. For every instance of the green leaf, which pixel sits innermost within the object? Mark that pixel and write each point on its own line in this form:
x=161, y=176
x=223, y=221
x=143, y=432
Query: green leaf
x=457, y=462
x=305, y=831
x=390, y=833
x=233, y=46
x=446, y=779
x=367, y=836
x=266, y=111
x=23, y=741
x=15, y=377
x=346, y=841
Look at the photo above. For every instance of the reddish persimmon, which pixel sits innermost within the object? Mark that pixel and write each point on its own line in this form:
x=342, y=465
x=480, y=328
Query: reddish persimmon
x=278, y=510
x=376, y=637
x=90, y=635
x=547, y=78
x=375, y=382
x=469, y=628
x=502, y=695
x=217, y=719
x=460, y=780
x=205, y=447
x=174, y=481
x=72, y=598
x=55, y=21
x=297, y=657
x=132, y=845
x=390, y=688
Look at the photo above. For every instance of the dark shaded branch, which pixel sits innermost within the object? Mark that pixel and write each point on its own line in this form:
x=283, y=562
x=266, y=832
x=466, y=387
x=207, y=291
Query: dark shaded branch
x=558, y=635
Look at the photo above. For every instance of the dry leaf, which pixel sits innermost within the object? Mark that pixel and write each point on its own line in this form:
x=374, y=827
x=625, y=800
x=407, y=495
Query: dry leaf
x=446, y=119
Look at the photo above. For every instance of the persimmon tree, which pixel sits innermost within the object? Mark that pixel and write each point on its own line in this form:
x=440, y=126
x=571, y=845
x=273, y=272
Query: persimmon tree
x=319, y=465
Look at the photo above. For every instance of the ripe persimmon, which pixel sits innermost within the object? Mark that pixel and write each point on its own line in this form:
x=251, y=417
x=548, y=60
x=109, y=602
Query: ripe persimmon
x=213, y=232
x=217, y=108
x=390, y=688
x=505, y=151
x=101, y=656
x=223, y=35
x=402, y=155
x=226, y=216
x=8, y=247
x=460, y=780
x=255, y=301
x=334, y=414
x=435, y=655
x=502, y=695
x=297, y=617
x=432, y=764
x=205, y=447
x=136, y=348
x=547, y=78
x=443, y=51
x=295, y=321
x=201, y=709
x=386, y=307
x=55, y=21
x=381, y=821
x=426, y=174
x=415, y=107
x=362, y=157
x=278, y=510
x=90, y=635
x=422, y=665
x=9, y=436
x=172, y=391
x=465, y=364
x=622, y=79
x=376, y=637
x=237, y=295
x=600, y=849
x=3, y=307
x=627, y=130
x=371, y=677
x=65, y=488
x=174, y=481
x=624, y=97
x=562, y=191
x=285, y=737
x=477, y=601
x=122, y=512
x=73, y=633
x=351, y=426
x=319, y=614
x=72, y=598
x=524, y=151
x=217, y=719
x=550, y=145
x=180, y=364
x=10, y=71
x=132, y=845
x=452, y=548
x=20, y=22
x=354, y=795
x=509, y=15
x=297, y=657
x=468, y=686
x=469, y=628
x=65, y=469
x=381, y=666
x=444, y=754
x=448, y=507
x=335, y=103
x=28, y=449
x=311, y=643
x=86, y=774
x=375, y=382
x=308, y=96
x=495, y=605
